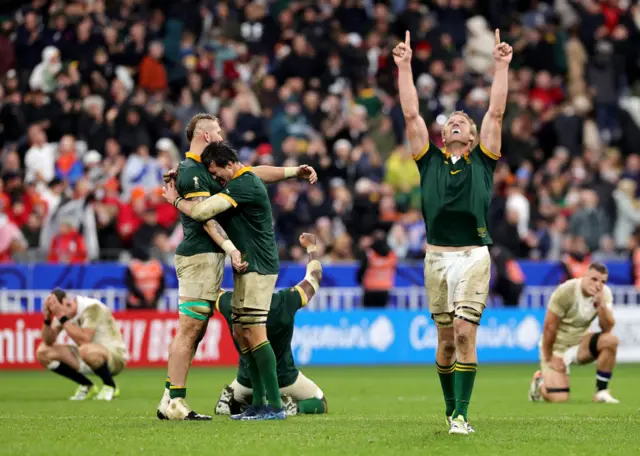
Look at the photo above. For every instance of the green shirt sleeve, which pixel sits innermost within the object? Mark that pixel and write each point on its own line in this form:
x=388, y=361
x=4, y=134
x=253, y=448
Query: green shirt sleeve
x=488, y=158
x=192, y=183
x=423, y=159
x=293, y=300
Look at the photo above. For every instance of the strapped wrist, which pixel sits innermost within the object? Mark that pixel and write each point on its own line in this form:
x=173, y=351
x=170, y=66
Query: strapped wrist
x=47, y=321
x=312, y=248
x=63, y=320
x=290, y=171
x=177, y=201
x=228, y=247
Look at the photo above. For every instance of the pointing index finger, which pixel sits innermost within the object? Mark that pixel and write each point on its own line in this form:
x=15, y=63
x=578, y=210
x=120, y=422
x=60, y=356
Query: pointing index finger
x=407, y=38
x=497, y=36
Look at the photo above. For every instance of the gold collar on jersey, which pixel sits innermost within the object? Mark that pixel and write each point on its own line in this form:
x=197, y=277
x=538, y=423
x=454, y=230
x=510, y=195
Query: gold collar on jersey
x=193, y=156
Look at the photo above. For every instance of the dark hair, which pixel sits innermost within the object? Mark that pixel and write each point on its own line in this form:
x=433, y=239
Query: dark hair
x=193, y=124
x=601, y=268
x=220, y=153
x=59, y=293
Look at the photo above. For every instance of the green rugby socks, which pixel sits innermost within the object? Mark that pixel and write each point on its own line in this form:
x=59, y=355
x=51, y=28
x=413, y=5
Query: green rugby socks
x=265, y=360
x=177, y=391
x=465, y=375
x=254, y=376
x=447, y=382
x=167, y=383
x=312, y=406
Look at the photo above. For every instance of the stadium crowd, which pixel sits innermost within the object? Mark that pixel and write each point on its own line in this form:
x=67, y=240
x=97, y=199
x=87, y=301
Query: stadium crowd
x=95, y=96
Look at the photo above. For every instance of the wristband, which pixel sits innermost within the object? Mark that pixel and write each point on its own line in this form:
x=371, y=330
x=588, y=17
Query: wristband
x=228, y=247
x=312, y=248
x=63, y=320
x=291, y=171
x=47, y=322
x=177, y=201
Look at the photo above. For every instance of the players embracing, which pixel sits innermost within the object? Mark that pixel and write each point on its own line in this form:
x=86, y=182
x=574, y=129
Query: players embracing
x=456, y=185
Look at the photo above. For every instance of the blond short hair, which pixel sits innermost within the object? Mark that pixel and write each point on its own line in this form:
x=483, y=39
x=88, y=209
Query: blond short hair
x=474, y=127
x=193, y=124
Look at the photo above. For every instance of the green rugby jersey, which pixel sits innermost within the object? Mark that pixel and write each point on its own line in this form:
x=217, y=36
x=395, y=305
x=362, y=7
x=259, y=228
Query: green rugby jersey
x=284, y=305
x=249, y=223
x=456, y=196
x=194, y=180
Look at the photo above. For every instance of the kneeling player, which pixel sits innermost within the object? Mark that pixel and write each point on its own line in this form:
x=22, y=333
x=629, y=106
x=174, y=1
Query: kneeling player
x=100, y=348
x=565, y=339
x=299, y=394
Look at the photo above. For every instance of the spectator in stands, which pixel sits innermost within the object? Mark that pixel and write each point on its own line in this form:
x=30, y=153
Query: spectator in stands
x=141, y=170
x=68, y=167
x=153, y=75
x=377, y=272
x=44, y=75
x=40, y=159
x=12, y=241
x=507, y=277
x=144, y=280
x=634, y=256
x=627, y=212
x=68, y=246
x=589, y=222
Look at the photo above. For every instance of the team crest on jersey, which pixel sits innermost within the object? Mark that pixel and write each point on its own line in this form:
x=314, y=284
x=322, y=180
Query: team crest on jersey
x=482, y=231
x=196, y=184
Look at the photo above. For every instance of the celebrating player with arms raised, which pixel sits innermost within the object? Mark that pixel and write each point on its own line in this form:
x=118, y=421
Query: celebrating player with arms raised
x=299, y=394
x=456, y=184
x=199, y=260
x=566, y=339
x=245, y=211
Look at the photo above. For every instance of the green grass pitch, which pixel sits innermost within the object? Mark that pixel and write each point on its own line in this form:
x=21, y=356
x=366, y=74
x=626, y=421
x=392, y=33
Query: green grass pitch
x=372, y=411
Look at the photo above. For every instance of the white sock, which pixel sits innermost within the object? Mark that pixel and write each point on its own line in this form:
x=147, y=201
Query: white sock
x=571, y=355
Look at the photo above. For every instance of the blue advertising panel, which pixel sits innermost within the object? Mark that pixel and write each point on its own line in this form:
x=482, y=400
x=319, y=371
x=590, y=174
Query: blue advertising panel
x=111, y=275
x=406, y=337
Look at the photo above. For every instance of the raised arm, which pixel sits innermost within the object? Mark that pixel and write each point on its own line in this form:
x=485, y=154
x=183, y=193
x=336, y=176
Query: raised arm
x=417, y=132
x=274, y=174
x=491, y=130
x=311, y=282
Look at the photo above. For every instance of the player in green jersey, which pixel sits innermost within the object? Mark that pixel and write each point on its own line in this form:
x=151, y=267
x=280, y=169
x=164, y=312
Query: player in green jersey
x=199, y=260
x=244, y=210
x=299, y=394
x=456, y=184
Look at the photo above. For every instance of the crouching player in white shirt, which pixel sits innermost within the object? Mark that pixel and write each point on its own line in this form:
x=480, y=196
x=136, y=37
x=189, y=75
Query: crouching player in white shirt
x=99, y=346
x=566, y=339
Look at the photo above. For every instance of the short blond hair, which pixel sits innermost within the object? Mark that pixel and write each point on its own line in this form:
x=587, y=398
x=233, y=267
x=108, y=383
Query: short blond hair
x=474, y=127
x=193, y=124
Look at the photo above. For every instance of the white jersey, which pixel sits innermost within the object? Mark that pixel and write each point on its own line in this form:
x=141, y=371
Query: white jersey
x=93, y=314
x=576, y=312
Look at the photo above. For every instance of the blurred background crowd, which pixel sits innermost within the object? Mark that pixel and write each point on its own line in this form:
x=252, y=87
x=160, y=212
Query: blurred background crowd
x=95, y=95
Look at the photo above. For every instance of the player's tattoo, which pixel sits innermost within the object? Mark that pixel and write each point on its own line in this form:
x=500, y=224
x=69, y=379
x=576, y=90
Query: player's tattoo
x=216, y=226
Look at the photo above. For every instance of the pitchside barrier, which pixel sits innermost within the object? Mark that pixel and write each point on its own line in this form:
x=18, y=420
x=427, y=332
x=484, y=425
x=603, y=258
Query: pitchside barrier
x=359, y=337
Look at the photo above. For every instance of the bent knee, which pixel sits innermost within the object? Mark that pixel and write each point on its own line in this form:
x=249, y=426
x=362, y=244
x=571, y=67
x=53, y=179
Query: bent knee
x=44, y=354
x=557, y=397
x=609, y=341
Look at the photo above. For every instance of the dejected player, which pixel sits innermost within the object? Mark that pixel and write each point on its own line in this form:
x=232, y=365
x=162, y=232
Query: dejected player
x=566, y=339
x=456, y=186
x=99, y=348
x=299, y=394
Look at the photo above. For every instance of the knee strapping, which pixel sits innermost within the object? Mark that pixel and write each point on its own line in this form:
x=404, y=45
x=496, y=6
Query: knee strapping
x=593, y=345
x=468, y=313
x=248, y=318
x=443, y=320
x=200, y=310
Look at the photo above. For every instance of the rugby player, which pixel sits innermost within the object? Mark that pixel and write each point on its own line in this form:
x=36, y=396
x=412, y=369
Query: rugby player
x=566, y=338
x=456, y=186
x=99, y=347
x=299, y=394
x=244, y=209
x=199, y=260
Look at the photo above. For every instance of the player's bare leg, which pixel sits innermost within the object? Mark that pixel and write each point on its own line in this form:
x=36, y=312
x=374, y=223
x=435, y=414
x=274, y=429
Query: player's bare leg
x=97, y=358
x=603, y=347
x=445, y=365
x=181, y=352
x=553, y=385
x=61, y=360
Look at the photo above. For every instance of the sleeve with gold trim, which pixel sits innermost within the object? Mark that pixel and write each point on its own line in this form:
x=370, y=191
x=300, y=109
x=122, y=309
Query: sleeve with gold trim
x=292, y=299
x=488, y=158
x=424, y=157
x=192, y=183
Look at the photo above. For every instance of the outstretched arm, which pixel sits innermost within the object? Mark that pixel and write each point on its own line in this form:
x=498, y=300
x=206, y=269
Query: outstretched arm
x=274, y=174
x=417, y=132
x=311, y=282
x=491, y=130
